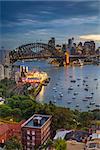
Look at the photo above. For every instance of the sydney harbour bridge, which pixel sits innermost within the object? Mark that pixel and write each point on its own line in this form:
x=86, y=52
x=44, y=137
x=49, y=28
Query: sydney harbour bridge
x=35, y=51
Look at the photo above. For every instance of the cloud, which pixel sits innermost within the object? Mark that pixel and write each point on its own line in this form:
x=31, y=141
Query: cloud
x=37, y=32
x=76, y=20
x=45, y=12
x=19, y=22
x=35, y=20
x=95, y=37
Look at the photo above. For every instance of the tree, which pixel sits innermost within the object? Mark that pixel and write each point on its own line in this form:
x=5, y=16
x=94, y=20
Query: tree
x=62, y=118
x=85, y=119
x=5, y=110
x=26, y=104
x=96, y=114
x=60, y=144
x=16, y=113
x=7, y=86
x=13, y=144
x=48, y=144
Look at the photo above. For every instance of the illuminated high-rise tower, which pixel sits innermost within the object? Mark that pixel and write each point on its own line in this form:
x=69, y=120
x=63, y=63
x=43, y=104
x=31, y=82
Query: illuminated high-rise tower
x=70, y=44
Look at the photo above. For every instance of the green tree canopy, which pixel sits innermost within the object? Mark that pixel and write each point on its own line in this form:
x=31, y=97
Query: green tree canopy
x=13, y=144
x=5, y=110
x=60, y=144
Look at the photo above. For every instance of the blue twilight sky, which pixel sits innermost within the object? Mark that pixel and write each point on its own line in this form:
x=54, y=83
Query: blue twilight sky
x=29, y=21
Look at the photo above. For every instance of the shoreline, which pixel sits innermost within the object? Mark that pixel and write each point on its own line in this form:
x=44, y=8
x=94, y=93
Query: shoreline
x=33, y=94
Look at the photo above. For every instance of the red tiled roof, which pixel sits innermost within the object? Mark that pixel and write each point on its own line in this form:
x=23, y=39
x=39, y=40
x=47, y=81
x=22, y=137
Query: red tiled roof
x=3, y=128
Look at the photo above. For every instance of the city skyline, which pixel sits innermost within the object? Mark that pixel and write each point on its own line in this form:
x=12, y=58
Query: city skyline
x=24, y=22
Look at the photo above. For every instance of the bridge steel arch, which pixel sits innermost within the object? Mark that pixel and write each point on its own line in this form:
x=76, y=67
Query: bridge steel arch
x=26, y=52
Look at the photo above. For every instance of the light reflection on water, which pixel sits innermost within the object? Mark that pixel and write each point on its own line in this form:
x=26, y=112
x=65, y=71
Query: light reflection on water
x=60, y=82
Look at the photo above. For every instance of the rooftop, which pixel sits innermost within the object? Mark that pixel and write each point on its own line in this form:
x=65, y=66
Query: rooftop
x=36, y=121
x=8, y=126
x=95, y=136
x=61, y=134
x=3, y=128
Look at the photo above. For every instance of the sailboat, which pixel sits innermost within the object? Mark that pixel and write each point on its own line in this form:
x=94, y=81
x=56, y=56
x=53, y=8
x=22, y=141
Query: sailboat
x=80, y=62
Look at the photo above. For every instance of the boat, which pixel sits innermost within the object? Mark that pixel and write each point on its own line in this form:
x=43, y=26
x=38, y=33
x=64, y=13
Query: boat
x=95, y=79
x=89, y=97
x=77, y=105
x=73, y=97
x=92, y=93
x=69, y=102
x=78, y=79
x=97, y=105
x=61, y=94
x=75, y=93
x=70, y=88
x=86, y=89
x=80, y=62
x=85, y=100
x=54, y=101
x=92, y=103
x=54, y=88
x=73, y=81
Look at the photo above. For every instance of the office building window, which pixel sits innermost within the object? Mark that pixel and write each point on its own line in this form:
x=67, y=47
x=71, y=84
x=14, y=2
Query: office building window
x=28, y=137
x=33, y=137
x=28, y=143
x=33, y=143
x=28, y=131
x=33, y=132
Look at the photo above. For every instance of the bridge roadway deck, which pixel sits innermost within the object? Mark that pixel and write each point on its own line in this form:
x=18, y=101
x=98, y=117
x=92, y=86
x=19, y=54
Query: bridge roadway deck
x=13, y=59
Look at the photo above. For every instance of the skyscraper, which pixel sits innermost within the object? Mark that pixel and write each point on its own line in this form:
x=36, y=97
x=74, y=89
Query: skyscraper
x=51, y=42
x=89, y=47
x=70, y=45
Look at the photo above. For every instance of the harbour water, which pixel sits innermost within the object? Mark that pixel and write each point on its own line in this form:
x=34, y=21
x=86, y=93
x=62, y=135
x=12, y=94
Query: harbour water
x=72, y=87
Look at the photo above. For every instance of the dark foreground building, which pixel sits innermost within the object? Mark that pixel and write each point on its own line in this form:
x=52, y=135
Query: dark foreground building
x=36, y=131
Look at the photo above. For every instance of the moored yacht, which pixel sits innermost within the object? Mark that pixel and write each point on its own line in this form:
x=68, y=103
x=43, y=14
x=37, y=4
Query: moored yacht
x=92, y=103
x=70, y=88
x=89, y=97
x=69, y=102
x=75, y=93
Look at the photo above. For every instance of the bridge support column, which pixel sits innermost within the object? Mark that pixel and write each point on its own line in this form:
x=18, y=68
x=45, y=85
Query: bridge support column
x=67, y=60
